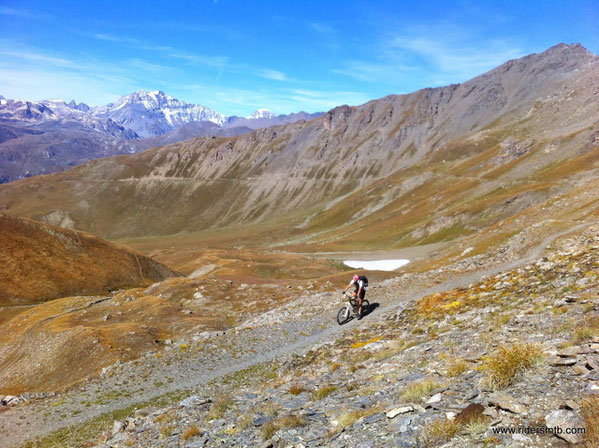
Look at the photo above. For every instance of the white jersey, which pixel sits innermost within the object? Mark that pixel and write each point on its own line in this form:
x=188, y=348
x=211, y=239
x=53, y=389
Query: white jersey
x=360, y=284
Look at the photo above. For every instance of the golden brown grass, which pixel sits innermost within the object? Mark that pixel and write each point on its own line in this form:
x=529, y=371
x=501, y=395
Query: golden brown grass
x=244, y=422
x=268, y=430
x=285, y=422
x=590, y=416
x=166, y=430
x=192, y=431
x=355, y=367
x=455, y=367
x=438, y=432
x=270, y=409
x=167, y=417
x=296, y=389
x=348, y=418
x=220, y=406
x=393, y=349
x=588, y=307
x=582, y=334
x=586, y=330
x=476, y=426
x=418, y=390
x=45, y=262
x=509, y=361
x=323, y=392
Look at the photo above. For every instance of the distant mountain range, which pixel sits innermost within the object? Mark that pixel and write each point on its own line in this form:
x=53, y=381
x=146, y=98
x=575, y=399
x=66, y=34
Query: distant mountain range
x=39, y=137
x=404, y=170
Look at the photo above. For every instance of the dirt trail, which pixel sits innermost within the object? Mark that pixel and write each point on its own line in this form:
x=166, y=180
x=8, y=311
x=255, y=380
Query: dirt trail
x=236, y=350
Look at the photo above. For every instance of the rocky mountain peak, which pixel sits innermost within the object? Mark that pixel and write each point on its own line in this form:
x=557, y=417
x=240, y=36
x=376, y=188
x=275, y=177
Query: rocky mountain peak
x=155, y=113
x=555, y=61
x=81, y=106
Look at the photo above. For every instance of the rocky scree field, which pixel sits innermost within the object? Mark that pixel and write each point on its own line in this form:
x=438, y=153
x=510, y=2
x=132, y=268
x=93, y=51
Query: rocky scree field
x=516, y=349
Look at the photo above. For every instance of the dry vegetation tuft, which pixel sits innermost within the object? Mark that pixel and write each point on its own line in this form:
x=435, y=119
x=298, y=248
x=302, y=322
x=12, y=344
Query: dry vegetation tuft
x=347, y=419
x=455, y=367
x=190, y=432
x=323, y=392
x=418, y=390
x=296, y=390
x=220, y=405
x=285, y=422
x=586, y=330
x=438, y=432
x=590, y=416
x=509, y=361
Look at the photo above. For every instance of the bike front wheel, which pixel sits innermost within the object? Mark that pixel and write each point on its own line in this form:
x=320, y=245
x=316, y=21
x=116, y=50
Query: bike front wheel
x=342, y=315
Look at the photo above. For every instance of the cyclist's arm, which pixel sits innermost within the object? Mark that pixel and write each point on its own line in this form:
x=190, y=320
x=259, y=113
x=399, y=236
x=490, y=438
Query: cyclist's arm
x=347, y=287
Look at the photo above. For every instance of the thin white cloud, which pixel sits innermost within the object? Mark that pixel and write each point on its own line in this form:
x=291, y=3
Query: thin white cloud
x=42, y=84
x=164, y=50
x=449, y=55
x=115, y=39
x=274, y=75
x=213, y=61
x=24, y=14
x=150, y=66
x=425, y=55
x=37, y=57
x=28, y=73
x=221, y=62
x=329, y=37
x=281, y=100
x=6, y=11
x=322, y=28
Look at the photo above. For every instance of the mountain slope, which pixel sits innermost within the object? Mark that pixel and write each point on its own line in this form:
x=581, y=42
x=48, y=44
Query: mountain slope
x=428, y=166
x=42, y=262
x=50, y=136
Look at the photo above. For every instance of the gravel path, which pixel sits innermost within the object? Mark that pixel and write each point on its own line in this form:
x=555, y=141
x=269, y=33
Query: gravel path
x=307, y=324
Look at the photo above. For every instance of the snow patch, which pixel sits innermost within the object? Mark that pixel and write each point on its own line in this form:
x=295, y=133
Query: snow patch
x=376, y=265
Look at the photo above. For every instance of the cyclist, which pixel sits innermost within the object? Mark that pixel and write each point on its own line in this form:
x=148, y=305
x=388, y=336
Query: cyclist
x=360, y=283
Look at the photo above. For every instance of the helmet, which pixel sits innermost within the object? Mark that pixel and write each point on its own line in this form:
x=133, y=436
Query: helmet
x=355, y=277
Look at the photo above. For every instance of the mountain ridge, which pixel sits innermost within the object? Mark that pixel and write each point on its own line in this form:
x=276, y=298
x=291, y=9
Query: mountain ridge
x=40, y=137
x=397, y=141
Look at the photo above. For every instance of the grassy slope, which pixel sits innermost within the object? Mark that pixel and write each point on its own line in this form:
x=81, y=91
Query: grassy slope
x=42, y=262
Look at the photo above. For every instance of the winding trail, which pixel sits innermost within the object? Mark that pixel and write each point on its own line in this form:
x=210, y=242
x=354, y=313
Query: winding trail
x=239, y=349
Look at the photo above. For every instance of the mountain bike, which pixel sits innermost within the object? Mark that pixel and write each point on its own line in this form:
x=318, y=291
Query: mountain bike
x=350, y=309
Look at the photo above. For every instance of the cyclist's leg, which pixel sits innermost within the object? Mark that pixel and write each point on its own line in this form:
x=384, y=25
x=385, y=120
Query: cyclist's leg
x=362, y=295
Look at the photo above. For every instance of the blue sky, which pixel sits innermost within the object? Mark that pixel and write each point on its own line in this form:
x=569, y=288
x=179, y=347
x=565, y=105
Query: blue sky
x=236, y=56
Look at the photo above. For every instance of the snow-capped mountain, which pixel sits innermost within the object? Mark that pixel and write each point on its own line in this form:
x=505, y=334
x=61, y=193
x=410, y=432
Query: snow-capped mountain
x=261, y=113
x=155, y=113
x=39, y=137
x=25, y=110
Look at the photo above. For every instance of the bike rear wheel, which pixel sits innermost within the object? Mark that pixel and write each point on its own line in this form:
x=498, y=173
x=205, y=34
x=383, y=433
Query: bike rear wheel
x=343, y=315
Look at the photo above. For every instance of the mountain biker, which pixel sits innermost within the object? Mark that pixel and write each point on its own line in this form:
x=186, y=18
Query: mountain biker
x=360, y=283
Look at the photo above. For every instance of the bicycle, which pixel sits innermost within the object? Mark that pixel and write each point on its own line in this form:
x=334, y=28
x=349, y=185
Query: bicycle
x=350, y=309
